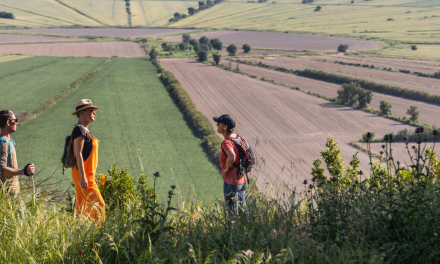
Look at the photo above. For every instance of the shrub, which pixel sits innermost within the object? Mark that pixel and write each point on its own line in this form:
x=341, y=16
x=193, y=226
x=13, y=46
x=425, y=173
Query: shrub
x=164, y=46
x=413, y=112
x=176, y=16
x=231, y=49
x=153, y=53
x=413, y=47
x=192, y=42
x=186, y=38
x=318, y=8
x=247, y=48
x=171, y=20
x=191, y=11
x=342, y=48
x=196, y=47
x=390, y=19
x=183, y=46
x=202, y=55
x=437, y=75
x=170, y=47
x=183, y=16
x=385, y=108
x=203, y=40
x=216, y=58
x=6, y=15
x=353, y=93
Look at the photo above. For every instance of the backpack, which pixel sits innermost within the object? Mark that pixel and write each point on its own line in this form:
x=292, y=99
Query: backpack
x=68, y=159
x=10, y=148
x=246, y=156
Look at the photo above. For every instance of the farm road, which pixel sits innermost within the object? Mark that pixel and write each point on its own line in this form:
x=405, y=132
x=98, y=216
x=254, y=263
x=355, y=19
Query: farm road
x=6, y=38
x=272, y=40
x=290, y=126
x=391, y=78
x=416, y=66
x=429, y=113
x=94, y=49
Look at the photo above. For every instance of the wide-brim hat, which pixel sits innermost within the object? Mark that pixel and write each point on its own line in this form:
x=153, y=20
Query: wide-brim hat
x=84, y=104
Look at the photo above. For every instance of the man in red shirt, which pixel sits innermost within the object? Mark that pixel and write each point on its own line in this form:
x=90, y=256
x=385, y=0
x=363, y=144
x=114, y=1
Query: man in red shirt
x=234, y=183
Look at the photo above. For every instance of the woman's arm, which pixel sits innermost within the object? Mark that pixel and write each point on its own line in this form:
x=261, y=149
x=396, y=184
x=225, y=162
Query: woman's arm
x=78, y=144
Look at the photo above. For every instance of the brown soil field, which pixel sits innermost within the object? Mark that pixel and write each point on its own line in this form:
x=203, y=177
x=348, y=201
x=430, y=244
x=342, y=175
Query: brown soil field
x=428, y=113
x=396, y=65
x=240, y=52
x=283, y=41
x=109, y=32
x=95, y=49
x=301, y=64
x=286, y=128
x=5, y=38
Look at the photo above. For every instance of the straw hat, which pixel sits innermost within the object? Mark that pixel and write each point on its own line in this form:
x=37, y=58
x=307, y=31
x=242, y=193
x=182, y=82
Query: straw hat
x=84, y=104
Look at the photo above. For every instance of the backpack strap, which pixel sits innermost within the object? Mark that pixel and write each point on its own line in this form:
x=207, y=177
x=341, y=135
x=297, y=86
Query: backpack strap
x=227, y=154
x=2, y=139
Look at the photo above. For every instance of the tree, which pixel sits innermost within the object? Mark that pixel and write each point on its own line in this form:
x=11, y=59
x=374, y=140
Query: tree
x=216, y=58
x=170, y=47
x=414, y=47
x=318, y=8
x=202, y=55
x=204, y=47
x=201, y=3
x=247, y=48
x=176, y=16
x=192, y=42
x=231, y=49
x=6, y=15
x=216, y=44
x=191, y=11
x=183, y=16
x=164, y=46
x=385, y=108
x=413, y=112
x=203, y=40
x=196, y=47
x=437, y=75
x=171, y=19
x=364, y=97
x=342, y=48
x=213, y=42
x=153, y=53
x=186, y=38
x=183, y=46
x=348, y=95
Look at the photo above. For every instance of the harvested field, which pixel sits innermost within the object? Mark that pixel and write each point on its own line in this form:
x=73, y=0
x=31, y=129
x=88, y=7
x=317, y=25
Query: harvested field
x=94, y=49
x=9, y=58
x=240, y=52
x=5, y=38
x=396, y=64
x=290, y=126
x=109, y=32
x=283, y=41
x=428, y=113
x=301, y=64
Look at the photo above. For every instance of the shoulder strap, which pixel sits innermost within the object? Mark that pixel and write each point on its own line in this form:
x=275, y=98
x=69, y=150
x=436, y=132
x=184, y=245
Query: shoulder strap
x=2, y=139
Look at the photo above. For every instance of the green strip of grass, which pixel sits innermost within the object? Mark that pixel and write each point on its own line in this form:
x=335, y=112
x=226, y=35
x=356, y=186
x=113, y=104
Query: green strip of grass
x=14, y=67
x=29, y=90
x=137, y=121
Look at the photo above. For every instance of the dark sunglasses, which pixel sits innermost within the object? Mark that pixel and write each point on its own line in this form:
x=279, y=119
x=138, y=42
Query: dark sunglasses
x=15, y=120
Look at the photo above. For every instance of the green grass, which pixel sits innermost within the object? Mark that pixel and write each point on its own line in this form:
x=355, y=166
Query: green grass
x=431, y=52
x=29, y=90
x=137, y=122
x=14, y=67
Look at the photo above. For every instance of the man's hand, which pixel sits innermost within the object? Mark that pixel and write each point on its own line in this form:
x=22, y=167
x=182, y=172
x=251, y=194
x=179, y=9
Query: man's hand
x=29, y=169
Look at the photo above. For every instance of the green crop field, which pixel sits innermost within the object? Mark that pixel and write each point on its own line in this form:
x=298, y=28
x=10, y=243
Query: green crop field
x=137, y=123
x=15, y=67
x=404, y=51
x=9, y=58
x=29, y=90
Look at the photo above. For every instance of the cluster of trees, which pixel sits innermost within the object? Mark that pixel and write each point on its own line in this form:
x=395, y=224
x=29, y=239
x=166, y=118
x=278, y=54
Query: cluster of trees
x=6, y=15
x=127, y=7
x=342, y=48
x=307, y=1
x=191, y=10
x=318, y=8
x=352, y=94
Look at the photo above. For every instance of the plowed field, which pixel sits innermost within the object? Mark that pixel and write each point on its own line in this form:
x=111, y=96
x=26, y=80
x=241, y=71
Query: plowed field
x=284, y=41
x=428, y=113
x=4, y=38
x=287, y=128
x=94, y=49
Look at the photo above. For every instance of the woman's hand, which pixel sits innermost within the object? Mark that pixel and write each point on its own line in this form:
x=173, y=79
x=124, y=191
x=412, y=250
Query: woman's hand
x=83, y=183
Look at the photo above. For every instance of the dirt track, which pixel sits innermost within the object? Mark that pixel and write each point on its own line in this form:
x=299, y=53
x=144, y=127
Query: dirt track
x=94, y=49
x=108, y=32
x=428, y=113
x=283, y=41
x=4, y=38
x=290, y=126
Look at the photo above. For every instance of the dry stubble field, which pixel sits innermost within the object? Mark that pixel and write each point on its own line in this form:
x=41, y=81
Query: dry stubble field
x=6, y=38
x=94, y=49
x=283, y=41
x=428, y=113
x=290, y=126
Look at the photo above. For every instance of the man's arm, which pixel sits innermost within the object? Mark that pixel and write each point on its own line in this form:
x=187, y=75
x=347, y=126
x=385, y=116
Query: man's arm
x=229, y=160
x=4, y=169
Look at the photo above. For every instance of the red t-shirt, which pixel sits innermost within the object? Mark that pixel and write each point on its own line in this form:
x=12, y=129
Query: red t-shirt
x=231, y=176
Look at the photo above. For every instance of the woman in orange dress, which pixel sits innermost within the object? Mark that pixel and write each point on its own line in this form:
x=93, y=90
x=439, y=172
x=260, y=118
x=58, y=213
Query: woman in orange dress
x=85, y=148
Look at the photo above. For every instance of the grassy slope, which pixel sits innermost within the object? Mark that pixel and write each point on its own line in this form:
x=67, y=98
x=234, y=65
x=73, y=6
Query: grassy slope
x=14, y=67
x=109, y=12
x=136, y=117
x=29, y=90
x=157, y=13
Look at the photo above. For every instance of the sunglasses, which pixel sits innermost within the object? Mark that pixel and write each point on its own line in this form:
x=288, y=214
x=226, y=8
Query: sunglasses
x=14, y=120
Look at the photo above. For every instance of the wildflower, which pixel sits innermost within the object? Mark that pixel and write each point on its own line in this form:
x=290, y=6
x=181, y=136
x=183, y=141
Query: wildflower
x=270, y=201
x=310, y=186
x=173, y=187
x=435, y=234
x=405, y=139
x=383, y=146
x=156, y=174
x=435, y=133
x=420, y=130
x=368, y=134
x=305, y=182
x=361, y=172
x=219, y=200
x=313, y=179
x=80, y=252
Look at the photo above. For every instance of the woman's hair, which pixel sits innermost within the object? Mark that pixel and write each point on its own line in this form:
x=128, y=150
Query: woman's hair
x=4, y=116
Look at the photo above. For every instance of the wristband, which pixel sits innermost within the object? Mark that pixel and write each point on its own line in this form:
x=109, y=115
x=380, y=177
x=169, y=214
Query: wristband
x=23, y=172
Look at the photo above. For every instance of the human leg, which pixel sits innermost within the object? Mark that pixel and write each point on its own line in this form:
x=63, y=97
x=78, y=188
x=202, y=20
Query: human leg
x=230, y=195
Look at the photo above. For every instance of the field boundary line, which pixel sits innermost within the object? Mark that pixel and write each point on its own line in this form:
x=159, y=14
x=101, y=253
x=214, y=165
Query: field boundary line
x=59, y=96
x=30, y=12
x=79, y=12
x=1, y=79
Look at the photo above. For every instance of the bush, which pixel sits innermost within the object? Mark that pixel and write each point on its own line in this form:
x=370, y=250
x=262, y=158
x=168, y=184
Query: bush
x=153, y=53
x=413, y=112
x=191, y=11
x=385, y=108
x=176, y=16
x=231, y=49
x=413, y=47
x=437, y=75
x=203, y=40
x=6, y=15
x=342, y=48
x=164, y=46
x=202, y=55
x=216, y=58
x=390, y=19
x=183, y=16
x=247, y=48
x=186, y=38
x=183, y=46
x=193, y=42
x=196, y=47
x=353, y=93
x=318, y=8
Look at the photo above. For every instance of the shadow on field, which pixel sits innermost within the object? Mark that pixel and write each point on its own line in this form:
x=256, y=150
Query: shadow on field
x=331, y=105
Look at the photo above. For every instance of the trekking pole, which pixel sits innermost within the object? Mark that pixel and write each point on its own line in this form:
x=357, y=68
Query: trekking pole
x=33, y=188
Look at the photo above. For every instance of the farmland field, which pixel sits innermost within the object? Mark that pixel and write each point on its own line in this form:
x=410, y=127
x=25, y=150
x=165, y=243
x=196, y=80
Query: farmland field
x=431, y=52
x=9, y=58
x=4, y=38
x=137, y=124
x=283, y=41
x=290, y=126
x=428, y=113
x=95, y=49
x=15, y=67
x=157, y=13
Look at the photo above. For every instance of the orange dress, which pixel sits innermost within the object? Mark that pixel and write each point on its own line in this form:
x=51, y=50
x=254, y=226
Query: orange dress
x=89, y=202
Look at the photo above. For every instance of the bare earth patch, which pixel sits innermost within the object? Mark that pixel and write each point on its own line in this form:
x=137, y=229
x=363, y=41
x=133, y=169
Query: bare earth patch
x=5, y=38
x=287, y=128
x=284, y=41
x=109, y=32
x=94, y=49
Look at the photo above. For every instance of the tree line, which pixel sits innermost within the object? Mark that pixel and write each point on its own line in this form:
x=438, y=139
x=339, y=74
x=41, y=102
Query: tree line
x=6, y=15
